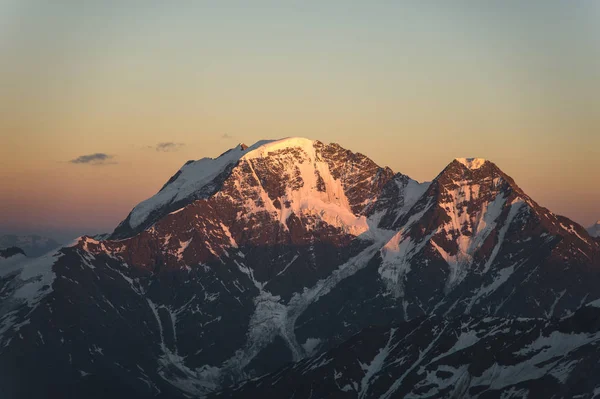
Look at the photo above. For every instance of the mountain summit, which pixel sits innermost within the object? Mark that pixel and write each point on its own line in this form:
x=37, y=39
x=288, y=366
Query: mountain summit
x=287, y=176
x=277, y=252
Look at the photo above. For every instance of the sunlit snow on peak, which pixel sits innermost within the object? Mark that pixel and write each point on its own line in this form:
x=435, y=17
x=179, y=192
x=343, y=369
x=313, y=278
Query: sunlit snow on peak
x=472, y=163
x=263, y=148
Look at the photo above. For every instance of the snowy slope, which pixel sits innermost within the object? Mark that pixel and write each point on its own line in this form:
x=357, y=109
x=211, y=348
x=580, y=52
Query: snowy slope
x=191, y=178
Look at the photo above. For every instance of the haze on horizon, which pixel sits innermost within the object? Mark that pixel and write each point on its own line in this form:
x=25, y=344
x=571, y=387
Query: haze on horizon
x=102, y=103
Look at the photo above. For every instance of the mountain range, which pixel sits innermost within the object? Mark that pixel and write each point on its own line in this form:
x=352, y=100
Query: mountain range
x=594, y=230
x=295, y=268
x=33, y=245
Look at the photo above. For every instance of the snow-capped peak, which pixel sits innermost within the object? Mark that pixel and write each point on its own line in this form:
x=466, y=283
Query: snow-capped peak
x=472, y=163
x=195, y=175
x=202, y=178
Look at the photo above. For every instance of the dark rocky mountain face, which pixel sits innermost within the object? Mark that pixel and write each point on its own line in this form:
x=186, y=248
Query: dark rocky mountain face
x=272, y=253
x=459, y=357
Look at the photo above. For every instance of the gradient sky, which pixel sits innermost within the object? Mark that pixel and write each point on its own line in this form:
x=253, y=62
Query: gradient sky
x=412, y=85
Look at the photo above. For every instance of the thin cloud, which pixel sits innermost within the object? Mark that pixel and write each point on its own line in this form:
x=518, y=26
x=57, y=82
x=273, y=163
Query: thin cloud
x=168, y=146
x=98, y=158
x=226, y=136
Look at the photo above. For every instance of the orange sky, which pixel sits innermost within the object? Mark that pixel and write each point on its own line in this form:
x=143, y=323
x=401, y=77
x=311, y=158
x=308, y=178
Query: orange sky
x=411, y=87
